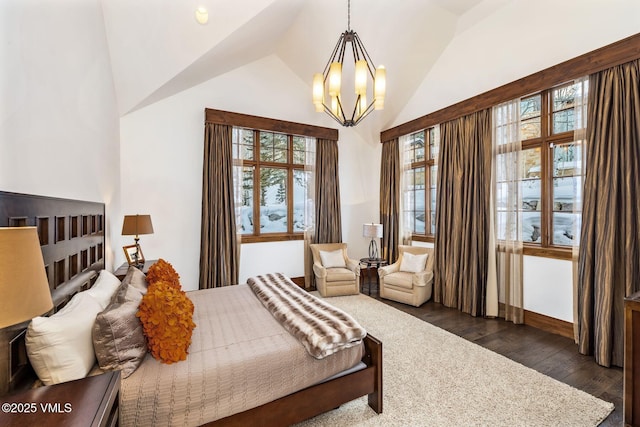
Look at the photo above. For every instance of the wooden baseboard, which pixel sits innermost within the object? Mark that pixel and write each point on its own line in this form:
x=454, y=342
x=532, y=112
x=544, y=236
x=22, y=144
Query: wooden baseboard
x=548, y=324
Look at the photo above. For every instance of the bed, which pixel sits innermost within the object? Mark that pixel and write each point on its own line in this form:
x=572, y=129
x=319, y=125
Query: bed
x=314, y=389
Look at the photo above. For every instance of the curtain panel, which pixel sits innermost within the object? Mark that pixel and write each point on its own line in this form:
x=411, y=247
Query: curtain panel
x=462, y=218
x=579, y=163
x=390, y=195
x=219, y=250
x=309, y=210
x=608, y=268
x=506, y=250
x=328, y=216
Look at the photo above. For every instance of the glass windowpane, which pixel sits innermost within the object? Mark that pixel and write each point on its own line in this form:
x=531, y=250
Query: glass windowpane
x=531, y=163
x=273, y=200
x=246, y=202
x=417, y=147
x=418, y=189
x=299, y=145
x=567, y=160
x=563, y=121
x=530, y=128
x=531, y=227
x=301, y=181
x=530, y=107
x=419, y=223
x=246, y=136
x=566, y=226
x=273, y=147
x=530, y=117
x=434, y=142
x=564, y=97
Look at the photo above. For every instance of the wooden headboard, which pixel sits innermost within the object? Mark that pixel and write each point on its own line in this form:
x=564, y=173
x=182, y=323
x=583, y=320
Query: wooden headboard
x=72, y=238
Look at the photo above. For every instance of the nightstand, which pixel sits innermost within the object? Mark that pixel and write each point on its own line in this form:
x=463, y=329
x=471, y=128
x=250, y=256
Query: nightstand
x=91, y=401
x=122, y=270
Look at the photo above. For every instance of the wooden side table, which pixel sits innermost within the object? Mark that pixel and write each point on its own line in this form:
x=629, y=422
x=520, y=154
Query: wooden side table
x=370, y=266
x=91, y=401
x=122, y=270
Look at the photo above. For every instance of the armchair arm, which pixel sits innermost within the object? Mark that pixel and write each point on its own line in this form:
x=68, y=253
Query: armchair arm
x=354, y=266
x=319, y=270
x=422, y=278
x=393, y=268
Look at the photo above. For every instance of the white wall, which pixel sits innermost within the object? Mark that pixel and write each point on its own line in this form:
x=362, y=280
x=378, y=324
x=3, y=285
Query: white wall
x=58, y=116
x=505, y=47
x=161, y=168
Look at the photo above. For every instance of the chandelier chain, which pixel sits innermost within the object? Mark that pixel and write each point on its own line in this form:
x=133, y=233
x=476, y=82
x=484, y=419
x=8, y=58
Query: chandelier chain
x=349, y=15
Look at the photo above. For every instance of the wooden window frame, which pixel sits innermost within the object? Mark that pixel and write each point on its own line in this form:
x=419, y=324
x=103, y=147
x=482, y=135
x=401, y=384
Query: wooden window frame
x=257, y=164
x=428, y=163
x=271, y=125
x=545, y=143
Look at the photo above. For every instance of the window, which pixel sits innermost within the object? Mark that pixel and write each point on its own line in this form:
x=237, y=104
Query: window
x=272, y=183
x=551, y=168
x=420, y=179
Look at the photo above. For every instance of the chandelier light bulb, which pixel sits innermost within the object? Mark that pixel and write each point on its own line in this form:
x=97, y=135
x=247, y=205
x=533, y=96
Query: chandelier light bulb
x=361, y=77
x=380, y=87
x=318, y=92
x=335, y=78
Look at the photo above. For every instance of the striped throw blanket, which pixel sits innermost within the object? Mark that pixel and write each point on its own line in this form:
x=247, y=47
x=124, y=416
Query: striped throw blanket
x=321, y=328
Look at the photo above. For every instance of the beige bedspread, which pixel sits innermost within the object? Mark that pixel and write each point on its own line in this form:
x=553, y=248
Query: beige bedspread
x=240, y=357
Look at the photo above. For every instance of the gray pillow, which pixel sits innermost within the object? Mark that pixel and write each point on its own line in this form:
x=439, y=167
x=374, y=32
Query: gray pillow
x=118, y=340
x=136, y=278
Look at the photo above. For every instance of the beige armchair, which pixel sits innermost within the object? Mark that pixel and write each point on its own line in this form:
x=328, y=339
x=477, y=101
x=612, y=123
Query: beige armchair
x=407, y=287
x=338, y=275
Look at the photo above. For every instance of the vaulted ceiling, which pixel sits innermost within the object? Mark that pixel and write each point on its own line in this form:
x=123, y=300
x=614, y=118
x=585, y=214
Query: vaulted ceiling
x=158, y=49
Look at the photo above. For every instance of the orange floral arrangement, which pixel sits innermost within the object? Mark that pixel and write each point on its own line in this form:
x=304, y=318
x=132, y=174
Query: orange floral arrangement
x=162, y=271
x=166, y=314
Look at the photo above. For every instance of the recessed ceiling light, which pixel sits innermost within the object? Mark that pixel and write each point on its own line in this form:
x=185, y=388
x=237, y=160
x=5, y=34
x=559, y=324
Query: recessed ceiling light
x=202, y=16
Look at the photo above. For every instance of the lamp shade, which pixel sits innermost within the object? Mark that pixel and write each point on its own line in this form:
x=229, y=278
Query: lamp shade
x=24, y=288
x=134, y=225
x=372, y=230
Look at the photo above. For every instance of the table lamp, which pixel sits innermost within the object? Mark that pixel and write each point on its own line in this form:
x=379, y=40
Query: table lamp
x=24, y=287
x=374, y=231
x=134, y=225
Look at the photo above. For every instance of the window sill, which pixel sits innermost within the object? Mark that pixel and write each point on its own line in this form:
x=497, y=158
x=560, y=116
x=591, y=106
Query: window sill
x=422, y=238
x=271, y=238
x=555, y=253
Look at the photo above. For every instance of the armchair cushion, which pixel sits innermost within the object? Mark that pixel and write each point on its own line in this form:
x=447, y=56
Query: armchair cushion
x=401, y=279
x=413, y=263
x=339, y=274
x=332, y=259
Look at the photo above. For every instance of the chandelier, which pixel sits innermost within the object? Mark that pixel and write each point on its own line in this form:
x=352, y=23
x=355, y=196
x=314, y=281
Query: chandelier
x=330, y=81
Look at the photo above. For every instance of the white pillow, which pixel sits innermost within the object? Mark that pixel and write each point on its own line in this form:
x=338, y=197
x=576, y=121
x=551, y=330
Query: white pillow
x=60, y=347
x=332, y=259
x=104, y=288
x=413, y=263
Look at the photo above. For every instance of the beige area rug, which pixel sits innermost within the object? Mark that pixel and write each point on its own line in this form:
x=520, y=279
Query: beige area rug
x=434, y=378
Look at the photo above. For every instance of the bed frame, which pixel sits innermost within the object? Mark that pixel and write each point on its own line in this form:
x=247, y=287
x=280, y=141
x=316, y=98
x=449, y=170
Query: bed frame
x=72, y=236
x=319, y=398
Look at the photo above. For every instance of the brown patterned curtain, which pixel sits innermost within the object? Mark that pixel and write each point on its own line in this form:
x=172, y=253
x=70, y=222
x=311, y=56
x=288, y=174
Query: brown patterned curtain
x=609, y=267
x=390, y=196
x=328, y=215
x=219, y=251
x=462, y=218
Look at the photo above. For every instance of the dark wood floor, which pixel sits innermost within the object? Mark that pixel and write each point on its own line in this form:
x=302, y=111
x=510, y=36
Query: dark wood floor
x=550, y=354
